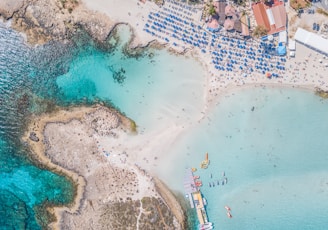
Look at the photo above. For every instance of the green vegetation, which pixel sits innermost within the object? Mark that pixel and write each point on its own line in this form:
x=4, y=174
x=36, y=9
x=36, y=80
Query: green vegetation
x=321, y=93
x=68, y=4
x=133, y=126
x=299, y=4
x=211, y=10
x=260, y=31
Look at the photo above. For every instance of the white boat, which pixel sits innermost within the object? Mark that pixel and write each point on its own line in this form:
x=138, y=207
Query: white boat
x=205, y=226
x=205, y=202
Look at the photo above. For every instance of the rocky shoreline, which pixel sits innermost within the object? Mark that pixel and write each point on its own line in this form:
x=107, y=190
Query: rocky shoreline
x=111, y=190
x=44, y=20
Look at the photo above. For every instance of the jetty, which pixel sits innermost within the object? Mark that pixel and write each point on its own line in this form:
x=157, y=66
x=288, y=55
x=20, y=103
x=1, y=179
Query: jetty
x=195, y=197
x=200, y=208
x=190, y=187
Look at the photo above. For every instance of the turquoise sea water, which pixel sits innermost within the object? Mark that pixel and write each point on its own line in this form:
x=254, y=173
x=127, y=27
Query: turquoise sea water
x=274, y=157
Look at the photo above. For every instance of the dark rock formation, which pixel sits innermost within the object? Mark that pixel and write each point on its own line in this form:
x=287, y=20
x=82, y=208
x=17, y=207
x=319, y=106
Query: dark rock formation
x=33, y=137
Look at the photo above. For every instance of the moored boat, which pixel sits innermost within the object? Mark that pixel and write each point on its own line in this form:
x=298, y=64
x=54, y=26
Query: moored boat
x=204, y=164
x=198, y=183
x=205, y=226
x=229, y=215
x=227, y=208
x=205, y=202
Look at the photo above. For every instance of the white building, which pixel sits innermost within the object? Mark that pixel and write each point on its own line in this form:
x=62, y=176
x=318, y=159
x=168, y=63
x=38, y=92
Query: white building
x=312, y=40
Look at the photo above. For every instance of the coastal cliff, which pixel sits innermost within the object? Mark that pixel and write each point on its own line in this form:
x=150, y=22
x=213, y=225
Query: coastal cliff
x=111, y=191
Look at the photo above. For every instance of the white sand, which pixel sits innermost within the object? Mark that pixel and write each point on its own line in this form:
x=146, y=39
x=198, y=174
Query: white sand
x=132, y=12
x=302, y=71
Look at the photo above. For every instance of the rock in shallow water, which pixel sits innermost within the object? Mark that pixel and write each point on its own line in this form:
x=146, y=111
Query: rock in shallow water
x=33, y=137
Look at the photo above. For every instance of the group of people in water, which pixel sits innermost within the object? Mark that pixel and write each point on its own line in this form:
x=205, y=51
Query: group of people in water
x=218, y=182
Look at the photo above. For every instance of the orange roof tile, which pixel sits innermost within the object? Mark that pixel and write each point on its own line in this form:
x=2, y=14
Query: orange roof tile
x=260, y=15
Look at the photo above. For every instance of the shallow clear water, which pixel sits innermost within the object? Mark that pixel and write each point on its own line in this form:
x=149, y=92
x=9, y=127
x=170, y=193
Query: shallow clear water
x=156, y=86
x=274, y=157
x=150, y=89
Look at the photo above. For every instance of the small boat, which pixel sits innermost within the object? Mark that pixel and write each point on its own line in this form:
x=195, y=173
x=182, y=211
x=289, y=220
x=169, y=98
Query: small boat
x=198, y=183
x=211, y=176
x=227, y=208
x=207, y=224
x=196, y=177
x=204, y=164
x=204, y=201
x=223, y=173
x=213, y=184
x=229, y=215
x=206, y=228
x=222, y=182
x=193, y=169
x=209, y=184
x=218, y=182
x=226, y=180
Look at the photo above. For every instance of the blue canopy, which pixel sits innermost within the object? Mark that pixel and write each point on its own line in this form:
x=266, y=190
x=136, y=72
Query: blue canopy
x=281, y=50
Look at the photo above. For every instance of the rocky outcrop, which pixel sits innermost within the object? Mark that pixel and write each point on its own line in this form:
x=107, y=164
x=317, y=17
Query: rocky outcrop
x=33, y=137
x=43, y=20
x=9, y=7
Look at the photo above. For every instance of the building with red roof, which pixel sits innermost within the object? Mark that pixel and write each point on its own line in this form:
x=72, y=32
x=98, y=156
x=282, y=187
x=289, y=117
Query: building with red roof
x=273, y=18
x=260, y=15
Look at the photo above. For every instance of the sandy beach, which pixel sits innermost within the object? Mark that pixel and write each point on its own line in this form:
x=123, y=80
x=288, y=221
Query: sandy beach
x=97, y=150
x=303, y=70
